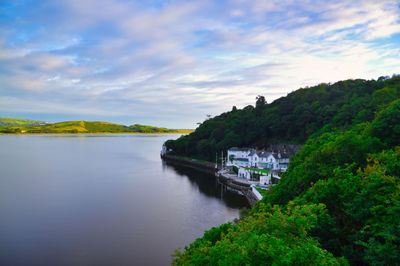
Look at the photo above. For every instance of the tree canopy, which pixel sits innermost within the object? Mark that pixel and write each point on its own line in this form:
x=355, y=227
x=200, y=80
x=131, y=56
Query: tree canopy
x=338, y=203
x=291, y=119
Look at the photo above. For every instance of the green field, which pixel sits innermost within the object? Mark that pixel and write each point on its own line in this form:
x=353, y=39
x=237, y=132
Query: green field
x=9, y=122
x=257, y=170
x=73, y=127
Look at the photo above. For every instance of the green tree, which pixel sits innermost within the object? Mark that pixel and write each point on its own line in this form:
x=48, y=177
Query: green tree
x=271, y=237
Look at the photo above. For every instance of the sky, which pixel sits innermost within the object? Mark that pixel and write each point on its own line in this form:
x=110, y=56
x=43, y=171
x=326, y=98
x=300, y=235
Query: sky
x=172, y=63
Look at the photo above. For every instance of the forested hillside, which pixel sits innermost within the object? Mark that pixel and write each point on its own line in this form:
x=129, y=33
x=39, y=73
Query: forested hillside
x=89, y=127
x=338, y=203
x=290, y=119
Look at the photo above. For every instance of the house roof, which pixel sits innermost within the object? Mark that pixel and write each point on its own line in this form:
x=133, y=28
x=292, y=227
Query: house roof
x=263, y=154
x=238, y=149
x=285, y=155
x=275, y=156
x=252, y=153
x=278, y=154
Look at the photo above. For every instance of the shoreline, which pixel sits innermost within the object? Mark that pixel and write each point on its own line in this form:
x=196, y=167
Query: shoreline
x=93, y=133
x=189, y=162
x=208, y=167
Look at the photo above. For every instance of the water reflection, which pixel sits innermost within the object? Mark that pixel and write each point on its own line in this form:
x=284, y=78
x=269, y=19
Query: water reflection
x=101, y=200
x=208, y=185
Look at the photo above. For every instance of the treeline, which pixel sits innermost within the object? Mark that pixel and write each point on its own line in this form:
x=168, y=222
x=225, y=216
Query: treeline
x=292, y=119
x=338, y=203
x=72, y=127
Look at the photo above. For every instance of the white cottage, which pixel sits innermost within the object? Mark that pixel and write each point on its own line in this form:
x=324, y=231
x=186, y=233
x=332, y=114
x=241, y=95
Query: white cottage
x=247, y=157
x=254, y=159
x=277, y=161
x=263, y=158
x=272, y=162
x=243, y=173
x=238, y=156
x=265, y=179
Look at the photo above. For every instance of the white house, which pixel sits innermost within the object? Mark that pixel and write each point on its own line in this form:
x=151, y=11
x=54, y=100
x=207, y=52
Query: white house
x=243, y=162
x=243, y=173
x=272, y=162
x=263, y=158
x=265, y=179
x=235, y=156
x=253, y=158
x=247, y=157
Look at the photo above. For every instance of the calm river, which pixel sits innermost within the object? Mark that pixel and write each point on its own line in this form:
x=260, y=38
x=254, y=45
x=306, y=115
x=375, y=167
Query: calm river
x=101, y=200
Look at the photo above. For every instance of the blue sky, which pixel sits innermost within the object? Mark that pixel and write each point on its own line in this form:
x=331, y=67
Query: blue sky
x=170, y=63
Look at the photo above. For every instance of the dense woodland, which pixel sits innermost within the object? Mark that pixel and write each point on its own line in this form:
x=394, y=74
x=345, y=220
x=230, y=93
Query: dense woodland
x=339, y=201
x=291, y=119
x=72, y=127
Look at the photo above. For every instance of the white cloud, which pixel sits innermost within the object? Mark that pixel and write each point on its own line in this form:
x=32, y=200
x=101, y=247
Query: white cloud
x=17, y=105
x=188, y=58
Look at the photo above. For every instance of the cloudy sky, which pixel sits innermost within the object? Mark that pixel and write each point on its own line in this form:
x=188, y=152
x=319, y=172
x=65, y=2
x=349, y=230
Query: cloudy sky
x=170, y=63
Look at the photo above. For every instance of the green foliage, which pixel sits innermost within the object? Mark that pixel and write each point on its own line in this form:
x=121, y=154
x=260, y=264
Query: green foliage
x=12, y=122
x=340, y=197
x=356, y=175
x=235, y=169
x=387, y=125
x=291, y=119
x=263, y=192
x=319, y=158
x=274, y=237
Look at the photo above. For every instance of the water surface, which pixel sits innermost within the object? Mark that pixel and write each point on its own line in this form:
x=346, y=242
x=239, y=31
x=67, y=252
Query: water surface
x=101, y=200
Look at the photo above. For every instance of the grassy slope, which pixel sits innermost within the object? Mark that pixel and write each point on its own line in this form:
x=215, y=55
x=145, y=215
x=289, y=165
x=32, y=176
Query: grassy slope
x=7, y=122
x=89, y=127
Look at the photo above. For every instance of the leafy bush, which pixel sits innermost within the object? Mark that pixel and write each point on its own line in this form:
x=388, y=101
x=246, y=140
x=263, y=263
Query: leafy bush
x=262, y=239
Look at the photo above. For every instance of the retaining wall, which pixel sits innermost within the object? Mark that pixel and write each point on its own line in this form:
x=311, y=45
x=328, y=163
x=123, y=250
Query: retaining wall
x=193, y=163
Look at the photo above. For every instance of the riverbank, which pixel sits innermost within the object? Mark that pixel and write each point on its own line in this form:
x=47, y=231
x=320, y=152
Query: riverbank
x=202, y=166
x=240, y=185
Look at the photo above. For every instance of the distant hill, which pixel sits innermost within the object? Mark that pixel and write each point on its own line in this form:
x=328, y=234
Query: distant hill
x=88, y=127
x=10, y=122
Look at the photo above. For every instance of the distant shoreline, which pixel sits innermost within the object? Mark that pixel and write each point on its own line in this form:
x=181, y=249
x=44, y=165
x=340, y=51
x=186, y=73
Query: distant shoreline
x=82, y=127
x=95, y=133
